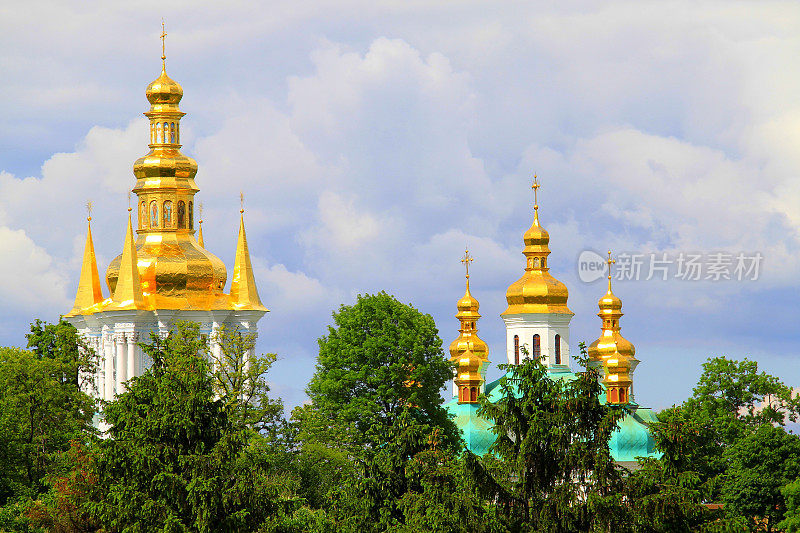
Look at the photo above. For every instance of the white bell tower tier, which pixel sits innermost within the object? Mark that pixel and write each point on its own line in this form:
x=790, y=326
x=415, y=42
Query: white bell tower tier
x=537, y=318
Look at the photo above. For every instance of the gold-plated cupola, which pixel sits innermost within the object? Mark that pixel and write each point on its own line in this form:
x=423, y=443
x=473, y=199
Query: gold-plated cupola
x=176, y=272
x=537, y=291
x=468, y=352
x=612, y=352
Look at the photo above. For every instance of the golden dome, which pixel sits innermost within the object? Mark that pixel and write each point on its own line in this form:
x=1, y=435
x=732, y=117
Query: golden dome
x=537, y=291
x=164, y=90
x=613, y=352
x=468, y=341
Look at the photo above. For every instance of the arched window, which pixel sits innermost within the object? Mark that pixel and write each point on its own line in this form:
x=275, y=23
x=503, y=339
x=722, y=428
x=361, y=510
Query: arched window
x=172, y=132
x=191, y=216
x=535, y=262
x=167, y=210
x=152, y=133
x=181, y=214
x=473, y=394
x=537, y=346
x=142, y=215
x=166, y=132
x=177, y=132
x=153, y=214
x=558, y=349
x=464, y=394
x=159, y=133
x=516, y=349
x=544, y=262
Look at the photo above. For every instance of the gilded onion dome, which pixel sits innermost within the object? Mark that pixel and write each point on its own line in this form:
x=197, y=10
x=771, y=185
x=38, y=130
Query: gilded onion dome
x=537, y=291
x=468, y=352
x=612, y=352
x=174, y=270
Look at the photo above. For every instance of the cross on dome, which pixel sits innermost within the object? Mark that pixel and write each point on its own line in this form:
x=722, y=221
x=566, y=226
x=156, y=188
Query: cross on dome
x=610, y=262
x=467, y=259
x=163, y=46
x=535, y=188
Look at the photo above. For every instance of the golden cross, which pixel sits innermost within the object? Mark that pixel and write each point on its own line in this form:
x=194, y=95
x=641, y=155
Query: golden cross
x=129, y=200
x=163, y=38
x=609, y=262
x=535, y=188
x=200, y=211
x=241, y=201
x=89, y=210
x=467, y=259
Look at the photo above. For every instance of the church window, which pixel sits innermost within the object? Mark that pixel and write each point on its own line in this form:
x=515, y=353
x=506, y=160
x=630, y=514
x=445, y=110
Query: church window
x=473, y=394
x=177, y=132
x=537, y=346
x=152, y=133
x=464, y=394
x=558, y=349
x=516, y=349
x=166, y=132
x=153, y=214
x=181, y=214
x=159, y=133
x=191, y=216
x=544, y=262
x=535, y=262
x=167, y=214
x=172, y=132
x=142, y=215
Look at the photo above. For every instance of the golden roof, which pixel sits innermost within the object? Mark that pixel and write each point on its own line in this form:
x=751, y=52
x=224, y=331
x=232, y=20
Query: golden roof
x=615, y=353
x=170, y=269
x=537, y=291
x=468, y=351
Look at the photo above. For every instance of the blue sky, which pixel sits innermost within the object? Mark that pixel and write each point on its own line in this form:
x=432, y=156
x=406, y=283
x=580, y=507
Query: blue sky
x=375, y=140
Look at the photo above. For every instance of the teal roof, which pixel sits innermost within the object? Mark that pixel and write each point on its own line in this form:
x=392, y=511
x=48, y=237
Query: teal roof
x=631, y=440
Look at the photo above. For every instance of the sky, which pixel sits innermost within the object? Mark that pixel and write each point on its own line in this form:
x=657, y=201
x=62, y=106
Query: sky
x=374, y=141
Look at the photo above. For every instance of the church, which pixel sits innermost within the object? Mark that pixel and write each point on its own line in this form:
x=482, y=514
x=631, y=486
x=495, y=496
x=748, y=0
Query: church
x=537, y=325
x=165, y=274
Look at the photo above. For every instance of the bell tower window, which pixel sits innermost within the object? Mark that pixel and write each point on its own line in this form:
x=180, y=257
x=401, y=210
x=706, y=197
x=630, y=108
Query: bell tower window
x=558, y=349
x=191, y=216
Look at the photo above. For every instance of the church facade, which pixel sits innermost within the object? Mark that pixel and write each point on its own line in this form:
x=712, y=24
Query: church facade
x=537, y=326
x=164, y=273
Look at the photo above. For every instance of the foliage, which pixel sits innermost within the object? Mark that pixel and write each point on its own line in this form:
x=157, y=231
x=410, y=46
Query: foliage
x=791, y=495
x=175, y=461
x=40, y=413
x=550, y=468
x=381, y=357
x=62, y=342
x=239, y=380
x=760, y=465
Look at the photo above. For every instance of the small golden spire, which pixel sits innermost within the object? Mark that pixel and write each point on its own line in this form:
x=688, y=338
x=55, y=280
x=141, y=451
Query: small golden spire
x=163, y=46
x=128, y=292
x=200, y=231
x=244, y=293
x=90, y=291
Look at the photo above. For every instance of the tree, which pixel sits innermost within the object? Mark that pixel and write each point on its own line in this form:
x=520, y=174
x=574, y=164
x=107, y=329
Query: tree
x=239, y=380
x=40, y=413
x=550, y=468
x=761, y=464
x=175, y=461
x=381, y=357
x=62, y=342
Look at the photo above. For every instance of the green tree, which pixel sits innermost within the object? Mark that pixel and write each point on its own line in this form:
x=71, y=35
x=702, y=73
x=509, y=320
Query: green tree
x=239, y=379
x=761, y=464
x=62, y=342
x=550, y=468
x=381, y=357
x=40, y=413
x=175, y=461
x=791, y=495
